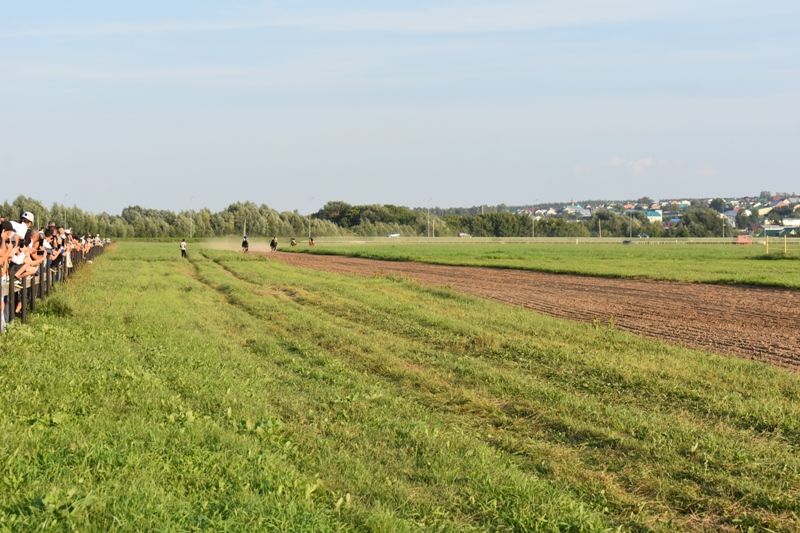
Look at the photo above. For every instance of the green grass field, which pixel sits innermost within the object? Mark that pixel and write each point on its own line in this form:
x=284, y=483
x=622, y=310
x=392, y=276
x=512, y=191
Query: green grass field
x=712, y=263
x=234, y=393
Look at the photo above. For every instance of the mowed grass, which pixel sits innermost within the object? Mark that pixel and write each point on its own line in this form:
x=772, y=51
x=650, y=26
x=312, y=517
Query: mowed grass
x=710, y=263
x=235, y=393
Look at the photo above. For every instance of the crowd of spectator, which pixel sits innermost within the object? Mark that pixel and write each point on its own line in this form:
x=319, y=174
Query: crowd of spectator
x=26, y=250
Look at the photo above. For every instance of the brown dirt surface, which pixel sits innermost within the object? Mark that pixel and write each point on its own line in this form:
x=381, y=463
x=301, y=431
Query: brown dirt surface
x=750, y=322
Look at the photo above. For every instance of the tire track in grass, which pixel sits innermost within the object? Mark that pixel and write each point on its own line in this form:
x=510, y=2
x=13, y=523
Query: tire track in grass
x=240, y=303
x=285, y=362
x=405, y=377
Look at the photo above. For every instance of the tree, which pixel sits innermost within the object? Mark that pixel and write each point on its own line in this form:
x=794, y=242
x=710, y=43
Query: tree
x=744, y=221
x=699, y=222
x=718, y=205
x=335, y=211
x=23, y=203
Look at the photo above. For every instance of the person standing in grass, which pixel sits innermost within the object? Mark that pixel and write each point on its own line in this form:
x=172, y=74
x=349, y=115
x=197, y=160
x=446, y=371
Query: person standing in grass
x=183, y=248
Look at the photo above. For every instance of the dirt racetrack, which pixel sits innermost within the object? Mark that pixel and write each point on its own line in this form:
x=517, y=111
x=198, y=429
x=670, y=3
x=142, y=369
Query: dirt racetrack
x=750, y=322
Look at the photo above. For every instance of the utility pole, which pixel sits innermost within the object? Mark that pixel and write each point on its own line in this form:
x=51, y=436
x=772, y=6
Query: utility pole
x=429, y=216
x=309, y=219
x=630, y=225
x=533, y=224
x=428, y=225
x=600, y=228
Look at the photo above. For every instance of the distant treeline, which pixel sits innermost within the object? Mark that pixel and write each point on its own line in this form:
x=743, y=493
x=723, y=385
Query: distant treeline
x=341, y=219
x=137, y=221
x=494, y=222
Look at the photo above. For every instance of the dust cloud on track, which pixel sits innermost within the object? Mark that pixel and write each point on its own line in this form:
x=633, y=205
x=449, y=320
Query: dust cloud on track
x=750, y=322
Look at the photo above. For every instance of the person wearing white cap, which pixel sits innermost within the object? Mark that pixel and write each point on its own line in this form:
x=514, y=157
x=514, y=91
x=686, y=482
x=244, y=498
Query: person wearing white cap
x=24, y=224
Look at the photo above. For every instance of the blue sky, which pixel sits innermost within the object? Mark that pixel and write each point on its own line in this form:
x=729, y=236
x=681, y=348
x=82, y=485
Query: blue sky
x=188, y=104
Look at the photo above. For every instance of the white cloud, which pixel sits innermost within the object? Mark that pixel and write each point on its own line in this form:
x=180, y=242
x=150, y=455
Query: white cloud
x=635, y=167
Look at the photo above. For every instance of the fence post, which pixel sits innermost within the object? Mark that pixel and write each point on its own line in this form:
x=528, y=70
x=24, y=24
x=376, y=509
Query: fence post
x=12, y=300
x=41, y=277
x=32, y=289
x=4, y=299
x=24, y=292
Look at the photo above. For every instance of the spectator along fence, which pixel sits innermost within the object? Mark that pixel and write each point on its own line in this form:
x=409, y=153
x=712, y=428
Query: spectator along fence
x=38, y=286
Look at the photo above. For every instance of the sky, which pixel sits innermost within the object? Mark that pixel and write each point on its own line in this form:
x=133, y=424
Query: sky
x=192, y=103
